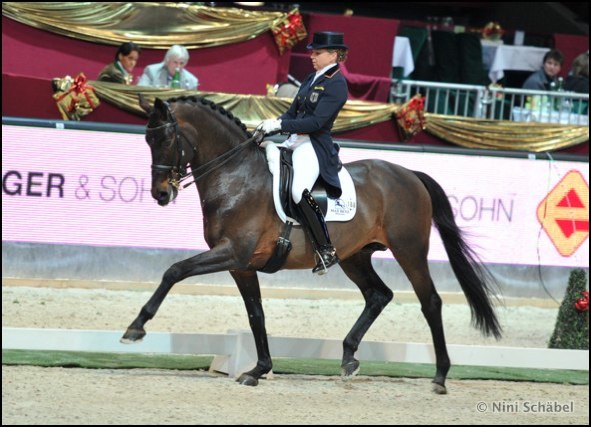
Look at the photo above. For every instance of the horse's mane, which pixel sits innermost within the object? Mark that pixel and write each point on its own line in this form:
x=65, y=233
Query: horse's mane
x=196, y=100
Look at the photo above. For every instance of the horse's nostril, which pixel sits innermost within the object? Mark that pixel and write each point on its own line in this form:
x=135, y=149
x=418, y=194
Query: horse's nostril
x=162, y=195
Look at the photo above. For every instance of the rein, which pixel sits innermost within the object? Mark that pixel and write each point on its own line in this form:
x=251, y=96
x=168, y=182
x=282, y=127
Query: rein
x=180, y=171
x=216, y=163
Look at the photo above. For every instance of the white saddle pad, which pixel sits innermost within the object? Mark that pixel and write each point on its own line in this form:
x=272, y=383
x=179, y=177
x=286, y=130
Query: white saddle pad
x=341, y=209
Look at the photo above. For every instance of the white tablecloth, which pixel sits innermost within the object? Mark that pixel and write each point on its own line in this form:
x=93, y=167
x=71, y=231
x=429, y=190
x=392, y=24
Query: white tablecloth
x=546, y=116
x=527, y=58
x=402, y=55
x=489, y=48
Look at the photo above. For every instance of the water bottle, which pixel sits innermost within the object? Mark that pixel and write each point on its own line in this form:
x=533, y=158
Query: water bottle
x=565, y=106
x=176, y=80
x=550, y=101
x=560, y=87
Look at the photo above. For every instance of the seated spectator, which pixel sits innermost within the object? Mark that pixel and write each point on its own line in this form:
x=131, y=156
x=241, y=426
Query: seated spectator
x=578, y=77
x=161, y=74
x=541, y=79
x=120, y=70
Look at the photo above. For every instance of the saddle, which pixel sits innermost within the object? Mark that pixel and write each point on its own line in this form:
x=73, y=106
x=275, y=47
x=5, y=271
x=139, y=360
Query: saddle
x=281, y=166
x=285, y=184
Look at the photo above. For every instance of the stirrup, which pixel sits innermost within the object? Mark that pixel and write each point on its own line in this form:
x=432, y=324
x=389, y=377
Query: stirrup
x=327, y=258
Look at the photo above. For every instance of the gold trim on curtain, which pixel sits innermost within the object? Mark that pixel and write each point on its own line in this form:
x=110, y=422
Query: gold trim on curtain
x=465, y=132
x=462, y=131
x=250, y=109
x=505, y=135
x=173, y=23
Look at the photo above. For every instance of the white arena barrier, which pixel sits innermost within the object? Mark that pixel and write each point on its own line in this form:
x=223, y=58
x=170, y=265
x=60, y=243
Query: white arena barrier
x=235, y=351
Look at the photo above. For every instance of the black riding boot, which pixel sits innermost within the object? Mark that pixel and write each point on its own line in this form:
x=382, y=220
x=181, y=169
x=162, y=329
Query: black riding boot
x=314, y=222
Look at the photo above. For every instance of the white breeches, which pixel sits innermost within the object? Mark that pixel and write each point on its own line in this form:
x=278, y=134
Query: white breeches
x=305, y=165
x=305, y=170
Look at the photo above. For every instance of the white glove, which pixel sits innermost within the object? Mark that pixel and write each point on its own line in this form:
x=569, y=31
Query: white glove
x=269, y=126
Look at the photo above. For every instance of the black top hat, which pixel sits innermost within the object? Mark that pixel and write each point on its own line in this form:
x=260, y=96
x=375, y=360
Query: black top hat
x=327, y=39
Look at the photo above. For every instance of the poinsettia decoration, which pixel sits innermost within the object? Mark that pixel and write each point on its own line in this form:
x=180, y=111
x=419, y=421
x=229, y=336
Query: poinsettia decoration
x=492, y=31
x=74, y=97
x=289, y=31
x=411, y=117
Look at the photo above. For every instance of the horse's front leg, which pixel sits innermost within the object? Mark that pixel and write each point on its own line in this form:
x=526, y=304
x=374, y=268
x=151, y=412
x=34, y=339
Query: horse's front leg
x=217, y=259
x=248, y=284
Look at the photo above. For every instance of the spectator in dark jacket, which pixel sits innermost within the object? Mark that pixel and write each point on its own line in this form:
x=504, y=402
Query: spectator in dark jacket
x=120, y=70
x=578, y=77
x=541, y=79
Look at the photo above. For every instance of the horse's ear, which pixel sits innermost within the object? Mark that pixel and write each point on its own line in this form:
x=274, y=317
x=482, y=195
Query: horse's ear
x=160, y=107
x=145, y=104
x=159, y=104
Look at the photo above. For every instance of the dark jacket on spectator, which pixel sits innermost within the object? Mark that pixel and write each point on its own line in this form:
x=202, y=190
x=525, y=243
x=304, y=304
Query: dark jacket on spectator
x=114, y=73
x=539, y=80
x=579, y=84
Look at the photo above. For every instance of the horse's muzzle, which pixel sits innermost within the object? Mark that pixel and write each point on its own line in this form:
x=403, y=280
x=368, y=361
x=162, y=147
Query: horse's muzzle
x=165, y=197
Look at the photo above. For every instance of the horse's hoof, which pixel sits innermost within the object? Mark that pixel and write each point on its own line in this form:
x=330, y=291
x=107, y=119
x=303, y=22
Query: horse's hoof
x=350, y=369
x=132, y=336
x=246, y=379
x=439, y=389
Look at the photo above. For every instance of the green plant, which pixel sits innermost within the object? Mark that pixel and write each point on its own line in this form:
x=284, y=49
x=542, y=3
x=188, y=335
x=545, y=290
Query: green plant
x=572, y=324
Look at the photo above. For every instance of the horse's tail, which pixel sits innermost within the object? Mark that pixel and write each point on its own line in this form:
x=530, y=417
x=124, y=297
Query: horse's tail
x=475, y=279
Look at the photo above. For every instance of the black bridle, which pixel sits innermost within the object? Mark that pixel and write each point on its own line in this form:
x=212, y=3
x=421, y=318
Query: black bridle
x=179, y=172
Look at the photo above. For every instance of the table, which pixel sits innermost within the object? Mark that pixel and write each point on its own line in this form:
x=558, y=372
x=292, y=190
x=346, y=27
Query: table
x=526, y=58
x=402, y=55
x=544, y=115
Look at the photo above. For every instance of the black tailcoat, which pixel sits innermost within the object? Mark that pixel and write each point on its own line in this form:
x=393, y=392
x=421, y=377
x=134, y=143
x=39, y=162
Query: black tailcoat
x=313, y=112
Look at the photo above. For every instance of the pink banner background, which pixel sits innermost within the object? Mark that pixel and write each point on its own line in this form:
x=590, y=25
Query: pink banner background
x=106, y=196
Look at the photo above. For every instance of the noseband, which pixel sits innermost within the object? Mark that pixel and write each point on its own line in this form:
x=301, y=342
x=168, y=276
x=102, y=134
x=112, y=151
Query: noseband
x=179, y=172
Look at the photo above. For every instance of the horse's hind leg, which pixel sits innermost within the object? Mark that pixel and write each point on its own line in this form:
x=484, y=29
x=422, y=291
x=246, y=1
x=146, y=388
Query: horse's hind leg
x=248, y=284
x=376, y=294
x=217, y=259
x=417, y=271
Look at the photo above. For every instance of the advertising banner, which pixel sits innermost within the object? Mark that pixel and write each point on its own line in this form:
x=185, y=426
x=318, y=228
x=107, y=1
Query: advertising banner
x=93, y=188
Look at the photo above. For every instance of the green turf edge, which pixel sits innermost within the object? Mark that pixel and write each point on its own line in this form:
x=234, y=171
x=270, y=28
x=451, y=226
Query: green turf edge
x=422, y=370
x=286, y=366
x=81, y=359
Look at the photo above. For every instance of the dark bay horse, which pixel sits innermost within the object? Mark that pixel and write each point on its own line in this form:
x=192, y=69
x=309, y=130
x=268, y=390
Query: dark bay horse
x=396, y=207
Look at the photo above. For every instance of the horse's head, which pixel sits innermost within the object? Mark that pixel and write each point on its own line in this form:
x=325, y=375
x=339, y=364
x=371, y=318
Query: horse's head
x=173, y=132
x=164, y=138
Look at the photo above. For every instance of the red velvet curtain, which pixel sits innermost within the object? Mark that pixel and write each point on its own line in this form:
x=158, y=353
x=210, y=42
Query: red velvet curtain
x=370, y=40
x=244, y=68
x=571, y=46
